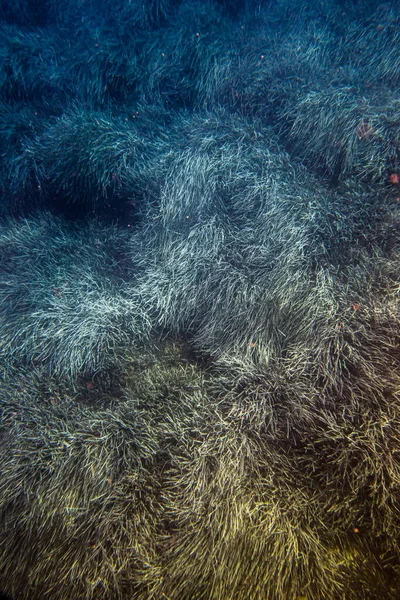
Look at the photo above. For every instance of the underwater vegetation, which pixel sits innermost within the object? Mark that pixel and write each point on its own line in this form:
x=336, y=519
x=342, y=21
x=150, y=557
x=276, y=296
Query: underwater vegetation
x=199, y=300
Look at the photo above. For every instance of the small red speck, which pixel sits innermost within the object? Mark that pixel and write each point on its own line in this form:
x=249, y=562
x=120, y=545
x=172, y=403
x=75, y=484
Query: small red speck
x=356, y=306
x=197, y=34
x=252, y=344
x=394, y=179
x=262, y=56
x=89, y=385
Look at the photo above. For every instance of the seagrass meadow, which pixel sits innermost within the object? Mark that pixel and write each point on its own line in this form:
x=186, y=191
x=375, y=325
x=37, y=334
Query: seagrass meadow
x=199, y=300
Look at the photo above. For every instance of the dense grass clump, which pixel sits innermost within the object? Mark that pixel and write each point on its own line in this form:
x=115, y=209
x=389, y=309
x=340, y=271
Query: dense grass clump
x=74, y=315
x=203, y=481
x=95, y=160
x=31, y=67
x=343, y=134
x=199, y=300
